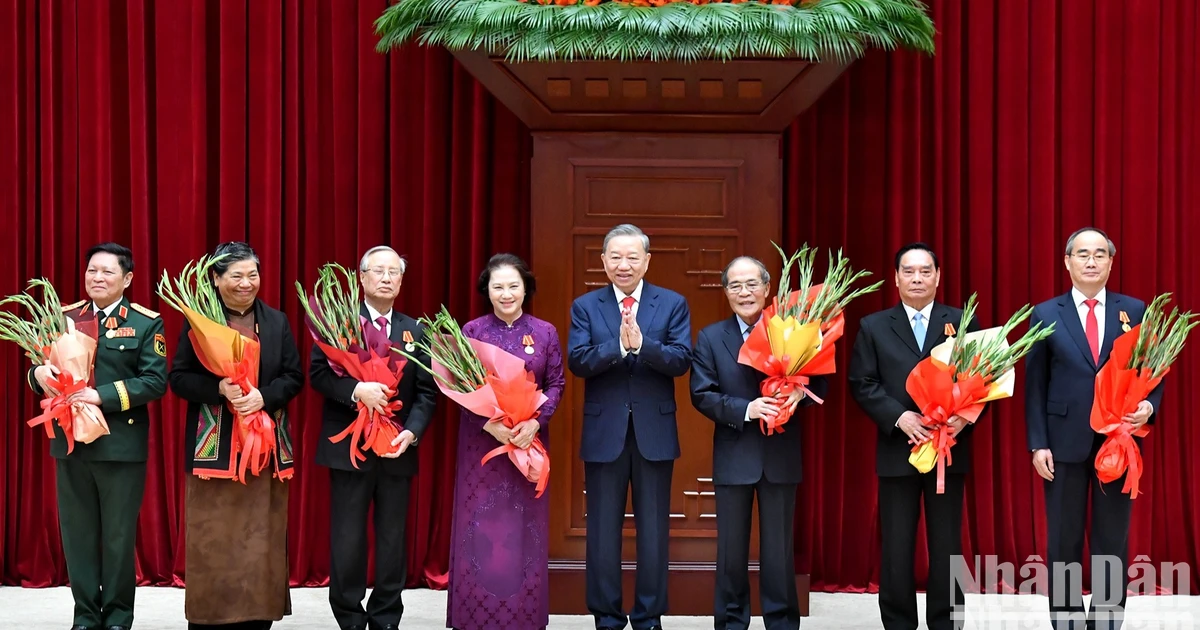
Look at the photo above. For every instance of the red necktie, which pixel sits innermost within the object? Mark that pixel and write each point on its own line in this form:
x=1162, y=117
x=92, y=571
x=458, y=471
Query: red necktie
x=627, y=303
x=382, y=322
x=1093, y=330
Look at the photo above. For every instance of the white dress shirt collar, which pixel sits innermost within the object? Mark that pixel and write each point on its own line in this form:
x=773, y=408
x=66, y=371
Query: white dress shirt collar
x=925, y=312
x=637, y=292
x=1078, y=297
x=375, y=315
x=108, y=311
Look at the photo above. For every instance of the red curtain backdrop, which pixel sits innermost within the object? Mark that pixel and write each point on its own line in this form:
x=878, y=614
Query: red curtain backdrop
x=171, y=126
x=1034, y=119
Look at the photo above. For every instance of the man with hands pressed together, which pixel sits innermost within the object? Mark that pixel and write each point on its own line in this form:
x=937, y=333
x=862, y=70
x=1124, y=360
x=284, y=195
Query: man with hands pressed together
x=890, y=343
x=629, y=341
x=1060, y=384
x=384, y=480
x=747, y=462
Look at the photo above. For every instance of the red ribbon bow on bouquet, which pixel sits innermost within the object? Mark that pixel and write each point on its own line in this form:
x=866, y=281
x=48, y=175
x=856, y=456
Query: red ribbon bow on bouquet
x=60, y=408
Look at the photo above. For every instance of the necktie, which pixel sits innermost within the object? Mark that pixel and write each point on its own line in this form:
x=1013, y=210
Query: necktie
x=1093, y=330
x=382, y=322
x=627, y=303
x=919, y=330
x=745, y=334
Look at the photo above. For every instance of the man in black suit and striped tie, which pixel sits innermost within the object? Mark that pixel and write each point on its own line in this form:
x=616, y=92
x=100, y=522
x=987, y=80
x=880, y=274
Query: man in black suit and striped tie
x=746, y=462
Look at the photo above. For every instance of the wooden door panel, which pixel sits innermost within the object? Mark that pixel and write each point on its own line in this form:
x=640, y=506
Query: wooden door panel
x=702, y=200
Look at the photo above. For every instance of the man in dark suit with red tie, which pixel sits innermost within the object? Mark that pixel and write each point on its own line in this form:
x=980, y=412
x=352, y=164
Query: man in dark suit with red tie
x=1060, y=381
x=380, y=480
x=890, y=343
x=746, y=462
x=629, y=341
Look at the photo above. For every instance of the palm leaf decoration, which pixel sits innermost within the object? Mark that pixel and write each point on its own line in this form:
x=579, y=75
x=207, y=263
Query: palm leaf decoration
x=674, y=30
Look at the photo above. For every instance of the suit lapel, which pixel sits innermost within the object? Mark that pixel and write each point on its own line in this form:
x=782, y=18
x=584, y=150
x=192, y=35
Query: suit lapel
x=1068, y=316
x=733, y=343
x=1112, y=325
x=648, y=306
x=610, y=311
x=904, y=330
x=398, y=327
x=936, y=333
x=269, y=348
x=733, y=337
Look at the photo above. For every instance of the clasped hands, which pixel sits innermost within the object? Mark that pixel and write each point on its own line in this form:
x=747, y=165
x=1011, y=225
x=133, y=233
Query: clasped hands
x=771, y=406
x=520, y=436
x=913, y=425
x=43, y=373
x=375, y=396
x=631, y=334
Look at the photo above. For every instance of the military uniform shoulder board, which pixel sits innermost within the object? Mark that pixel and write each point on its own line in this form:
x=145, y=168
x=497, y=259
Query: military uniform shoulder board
x=143, y=310
x=71, y=307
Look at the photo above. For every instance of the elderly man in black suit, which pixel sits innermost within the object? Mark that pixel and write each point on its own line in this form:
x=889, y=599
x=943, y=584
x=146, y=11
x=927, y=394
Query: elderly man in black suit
x=746, y=462
x=890, y=343
x=380, y=480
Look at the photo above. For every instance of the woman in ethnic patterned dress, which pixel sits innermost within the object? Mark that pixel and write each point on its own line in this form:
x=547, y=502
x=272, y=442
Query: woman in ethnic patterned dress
x=236, y=536
x=498, y=552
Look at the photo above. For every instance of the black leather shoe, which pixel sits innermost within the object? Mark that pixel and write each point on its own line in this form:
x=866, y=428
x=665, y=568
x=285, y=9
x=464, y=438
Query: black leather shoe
x=391, y=626
x=80, y=628
x=116, y=628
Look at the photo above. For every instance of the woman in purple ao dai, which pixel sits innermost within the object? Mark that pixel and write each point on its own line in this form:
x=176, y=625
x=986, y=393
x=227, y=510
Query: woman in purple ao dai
x=498, y=547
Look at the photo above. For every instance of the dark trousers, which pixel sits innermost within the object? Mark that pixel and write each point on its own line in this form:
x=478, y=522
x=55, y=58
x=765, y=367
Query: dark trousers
x=777, y=565
x=900, y=501
x=98, y=504
x=352, y=495
x=607, y=490
x=1066, y=514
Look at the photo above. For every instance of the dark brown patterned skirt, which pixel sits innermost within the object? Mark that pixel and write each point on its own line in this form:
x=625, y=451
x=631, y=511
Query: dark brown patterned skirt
x=236, y=537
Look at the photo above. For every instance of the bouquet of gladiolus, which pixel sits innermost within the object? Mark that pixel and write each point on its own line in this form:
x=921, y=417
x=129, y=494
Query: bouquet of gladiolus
x=51, y=338
x=1140, y=359
x=228, y=352
x=489, y=382
x=358, y=349
x=794, y=341
x=960, y=375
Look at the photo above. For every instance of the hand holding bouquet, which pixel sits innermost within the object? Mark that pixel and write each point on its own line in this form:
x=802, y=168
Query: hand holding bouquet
x=53, y=339
x=794, y=341
x=356, y=348
x=1140, y=359
x=227, y=352
x=960, y=375
x=488, y=382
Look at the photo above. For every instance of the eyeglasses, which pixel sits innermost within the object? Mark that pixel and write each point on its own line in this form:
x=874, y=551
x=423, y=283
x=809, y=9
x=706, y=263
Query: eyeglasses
x=736, y=287
x=1083, y=257
x=380, y=272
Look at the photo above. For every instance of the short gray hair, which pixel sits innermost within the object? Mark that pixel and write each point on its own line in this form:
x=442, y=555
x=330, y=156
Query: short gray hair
x=627, y=229
x=362, y=264
x=1112, y=248
x=763, y=274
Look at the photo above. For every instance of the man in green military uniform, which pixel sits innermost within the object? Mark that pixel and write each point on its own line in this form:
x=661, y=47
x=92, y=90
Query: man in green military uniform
x=99, y=485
